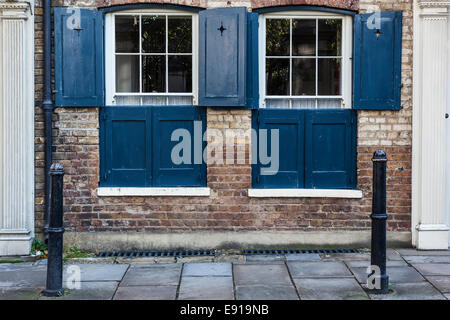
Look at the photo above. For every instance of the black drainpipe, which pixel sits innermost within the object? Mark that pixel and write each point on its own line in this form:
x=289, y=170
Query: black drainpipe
x=47, y=105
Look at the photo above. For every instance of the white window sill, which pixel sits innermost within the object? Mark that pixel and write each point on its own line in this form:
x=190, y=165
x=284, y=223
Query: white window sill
x=155, y=192
x=305, y=193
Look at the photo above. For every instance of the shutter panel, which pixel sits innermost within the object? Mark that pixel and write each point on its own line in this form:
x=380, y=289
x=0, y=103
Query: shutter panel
x=126, y=146
x=252, y=64
x=166, y=172
x=222, y=56
x=330, y=155
x=290, y=124
x=78, y=57
x=377, y=61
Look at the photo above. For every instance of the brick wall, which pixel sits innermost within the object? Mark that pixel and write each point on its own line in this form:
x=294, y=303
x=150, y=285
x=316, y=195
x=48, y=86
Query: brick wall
x=228, y=207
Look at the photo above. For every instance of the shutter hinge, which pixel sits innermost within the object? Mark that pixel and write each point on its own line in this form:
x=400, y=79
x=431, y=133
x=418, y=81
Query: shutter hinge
x=104, y=116
x=400, y=85
x=257, y=179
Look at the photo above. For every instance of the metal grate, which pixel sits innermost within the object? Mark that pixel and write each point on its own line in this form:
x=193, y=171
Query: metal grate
x=163, y=253
x=294, y=251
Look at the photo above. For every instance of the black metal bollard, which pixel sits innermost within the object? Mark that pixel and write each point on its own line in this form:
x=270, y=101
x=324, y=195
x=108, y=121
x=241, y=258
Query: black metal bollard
x=55, y=234
x=379, y=216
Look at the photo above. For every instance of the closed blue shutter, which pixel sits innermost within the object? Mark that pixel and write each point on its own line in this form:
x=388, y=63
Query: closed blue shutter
x=377, y=61
x=78, y=57
x=290, y=124
x=166, y=173
x=252, y=64
x=223, y=56
x=126, y=146
x=330, y=155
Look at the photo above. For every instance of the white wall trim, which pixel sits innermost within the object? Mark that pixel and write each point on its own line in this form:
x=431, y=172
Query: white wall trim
x=305, y=193
x=154, y=192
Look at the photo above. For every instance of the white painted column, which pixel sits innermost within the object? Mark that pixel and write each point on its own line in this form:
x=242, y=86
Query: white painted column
x=429, y=217
x=16, y=128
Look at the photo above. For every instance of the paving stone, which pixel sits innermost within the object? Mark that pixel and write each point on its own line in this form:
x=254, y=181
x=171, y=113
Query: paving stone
x=447, y=295
x=206, y=288
x=318, y=269
x=392, y=254
x=410, y=291
x=146, y=293
x=346, y=256
x=427, y=259
x=414, y=252
x=13, y=293
x=303, y=257
x=23, y=276
x=94, y=290
x=207, y=269
x=98, y=272
x=433, y=269
x=396, y=275
x=229, y=258
x=266, y=293
x=366, y=263
x=265, y=258
x=442, y=283
x=152, y=275
x=261, y=274
x=329, y=289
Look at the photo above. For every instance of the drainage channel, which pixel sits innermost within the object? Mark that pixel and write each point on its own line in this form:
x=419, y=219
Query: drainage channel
x=163, y=253
x=296, y=251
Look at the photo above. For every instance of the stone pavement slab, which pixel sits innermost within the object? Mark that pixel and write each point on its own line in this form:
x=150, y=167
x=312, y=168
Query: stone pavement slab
x=206, y=288
x=98, y=272
x=93, y=290
x=265, y=259
x=396, y=275
x=318, y=269
x=146, y=293
x=366, y=263
x=303, y=257
x=273, y=292
x=23, y=276
x=152, y=275
x=329, y=289
x=207, y=269
x=414, y=252
x=262, y=274
x=13, y=293
x=433, y=269
x=427, y=259
x=447, y=295
x=410, y=291
x=392, y=254
x=442, y=283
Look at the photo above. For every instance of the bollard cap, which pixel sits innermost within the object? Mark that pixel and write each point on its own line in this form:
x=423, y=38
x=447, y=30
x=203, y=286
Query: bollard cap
x=379, y=155
x=56, y=169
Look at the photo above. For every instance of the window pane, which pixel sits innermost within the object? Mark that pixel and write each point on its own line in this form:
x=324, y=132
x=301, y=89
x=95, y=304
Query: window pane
x=277, y=103
x=179, y=101
x=127, y=101
x=304, y=103
x=329, y=103
x=330, y=37
x=303, y=76
x=277, y=37
x=127, y=73
x=154, y=100
x=180, y=34
x=127, y=34
x=277, y=77
x=180, y=73
x=304, y=37
x=153, y=34
x=153, y=74
x=329, y=77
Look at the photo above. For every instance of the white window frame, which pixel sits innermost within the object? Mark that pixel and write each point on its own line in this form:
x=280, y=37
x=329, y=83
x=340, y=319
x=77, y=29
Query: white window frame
x=347, y=51
x=110, y=61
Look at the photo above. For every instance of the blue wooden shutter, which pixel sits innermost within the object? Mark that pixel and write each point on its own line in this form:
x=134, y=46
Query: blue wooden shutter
x=252, y=64
x=377, y=61
x=290, y=124
x=222, y=56
x=78, y=57
x=125, y=147
x=330, y=155
x=165, y=172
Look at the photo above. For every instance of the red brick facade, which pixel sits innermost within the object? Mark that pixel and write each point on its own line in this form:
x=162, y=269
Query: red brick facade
x=76, y=141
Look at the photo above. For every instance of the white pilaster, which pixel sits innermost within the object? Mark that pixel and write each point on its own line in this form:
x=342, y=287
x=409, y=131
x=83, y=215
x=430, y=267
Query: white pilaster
x=16, y=128
x=429, y=219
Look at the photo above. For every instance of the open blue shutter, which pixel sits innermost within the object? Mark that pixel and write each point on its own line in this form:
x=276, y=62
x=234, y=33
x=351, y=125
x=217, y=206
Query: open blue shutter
x=290, y=124
x=377, y=61
x=252, y=64
x=166, y=173
x=78, y=57
x=330, y=155
x=222, y=56
x=126, y=146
